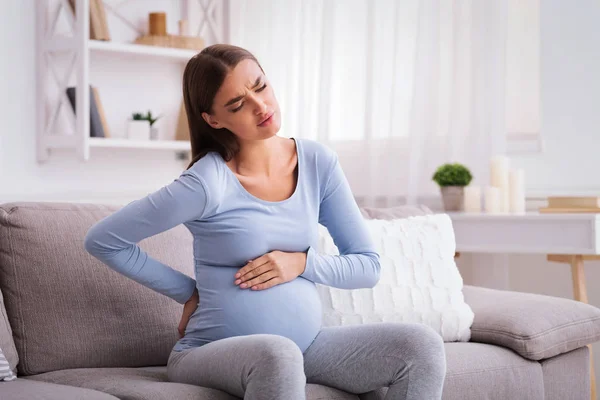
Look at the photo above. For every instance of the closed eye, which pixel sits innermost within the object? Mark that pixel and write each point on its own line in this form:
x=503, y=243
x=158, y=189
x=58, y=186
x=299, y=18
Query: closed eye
x=263, y=87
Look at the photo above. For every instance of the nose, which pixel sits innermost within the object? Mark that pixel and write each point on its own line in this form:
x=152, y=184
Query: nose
x=261, y=105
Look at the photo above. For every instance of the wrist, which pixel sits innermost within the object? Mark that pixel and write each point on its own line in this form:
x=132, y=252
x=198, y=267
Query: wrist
x=302, y=262
x=195, y=295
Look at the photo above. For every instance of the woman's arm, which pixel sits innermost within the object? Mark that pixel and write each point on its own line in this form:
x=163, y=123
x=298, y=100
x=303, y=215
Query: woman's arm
x=113, y=240
x=357, y=266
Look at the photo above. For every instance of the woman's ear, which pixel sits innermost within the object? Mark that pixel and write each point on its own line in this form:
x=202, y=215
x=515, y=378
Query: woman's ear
x=210, y=120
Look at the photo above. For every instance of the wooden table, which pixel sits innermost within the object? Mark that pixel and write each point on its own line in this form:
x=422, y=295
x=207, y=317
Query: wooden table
x=565, y=238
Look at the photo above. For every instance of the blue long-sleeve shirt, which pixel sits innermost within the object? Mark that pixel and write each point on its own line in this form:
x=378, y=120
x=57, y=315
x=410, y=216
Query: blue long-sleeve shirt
x=231, y=226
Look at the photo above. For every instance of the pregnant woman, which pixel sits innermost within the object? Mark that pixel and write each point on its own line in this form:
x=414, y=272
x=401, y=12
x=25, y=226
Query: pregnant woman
x=251, y=323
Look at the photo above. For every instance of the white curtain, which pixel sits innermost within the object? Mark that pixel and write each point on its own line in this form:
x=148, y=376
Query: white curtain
x=395, y=87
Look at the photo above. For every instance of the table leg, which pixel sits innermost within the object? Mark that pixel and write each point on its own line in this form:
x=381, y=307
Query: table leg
x=580, y=294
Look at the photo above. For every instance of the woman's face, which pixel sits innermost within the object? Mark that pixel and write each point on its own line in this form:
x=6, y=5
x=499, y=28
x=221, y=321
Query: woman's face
x=246, y=104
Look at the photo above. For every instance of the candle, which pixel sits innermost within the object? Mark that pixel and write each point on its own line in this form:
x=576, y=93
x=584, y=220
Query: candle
x=517, y=190
x=492, y=200
x=499, y=177
x=183, y=27
x=472, y=199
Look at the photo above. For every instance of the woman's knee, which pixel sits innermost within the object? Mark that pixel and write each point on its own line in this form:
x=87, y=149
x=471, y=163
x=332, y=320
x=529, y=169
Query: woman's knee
x=419, y=344
x=276, y=352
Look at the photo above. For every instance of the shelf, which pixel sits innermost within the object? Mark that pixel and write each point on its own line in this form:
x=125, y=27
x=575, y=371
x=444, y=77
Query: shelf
x=176, y=145
x=66, y=49
x=141, y=49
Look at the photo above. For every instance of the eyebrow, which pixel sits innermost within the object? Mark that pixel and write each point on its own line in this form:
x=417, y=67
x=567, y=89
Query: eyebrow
x=236, y=99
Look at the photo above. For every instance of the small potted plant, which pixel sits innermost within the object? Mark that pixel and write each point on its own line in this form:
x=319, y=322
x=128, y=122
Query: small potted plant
x=138, y=127
x=141, y=126
x=153, y=129
x=452, y=178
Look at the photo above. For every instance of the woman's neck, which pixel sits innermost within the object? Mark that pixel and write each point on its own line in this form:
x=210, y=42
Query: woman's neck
x=260, y=157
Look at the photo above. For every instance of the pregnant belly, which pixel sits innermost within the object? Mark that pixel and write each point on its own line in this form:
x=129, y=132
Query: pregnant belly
x=292, y=309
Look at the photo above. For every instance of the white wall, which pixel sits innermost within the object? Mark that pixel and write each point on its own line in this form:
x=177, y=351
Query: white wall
x=570, y=85
x=570, y=61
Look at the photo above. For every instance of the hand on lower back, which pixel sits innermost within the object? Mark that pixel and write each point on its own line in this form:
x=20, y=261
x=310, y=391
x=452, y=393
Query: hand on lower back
x=271, y=269
x=188, y=309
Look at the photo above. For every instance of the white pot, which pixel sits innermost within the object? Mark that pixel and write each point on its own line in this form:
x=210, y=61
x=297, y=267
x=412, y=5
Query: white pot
x=153, y=132
x=138, y=130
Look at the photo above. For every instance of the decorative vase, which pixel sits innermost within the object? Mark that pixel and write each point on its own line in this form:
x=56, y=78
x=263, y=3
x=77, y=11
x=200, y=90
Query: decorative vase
x=138, y=130
x=452, y=197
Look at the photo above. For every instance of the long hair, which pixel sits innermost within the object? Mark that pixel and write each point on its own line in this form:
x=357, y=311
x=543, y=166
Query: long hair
x=203, y=76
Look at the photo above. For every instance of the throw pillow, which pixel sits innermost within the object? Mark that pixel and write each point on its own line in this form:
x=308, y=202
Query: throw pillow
x=419, y=279
x=6, y=374
x=395, y=212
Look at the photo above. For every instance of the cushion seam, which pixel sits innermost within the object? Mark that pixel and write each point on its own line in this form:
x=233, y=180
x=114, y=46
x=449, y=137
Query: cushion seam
x=528, y=337
x=533, y=353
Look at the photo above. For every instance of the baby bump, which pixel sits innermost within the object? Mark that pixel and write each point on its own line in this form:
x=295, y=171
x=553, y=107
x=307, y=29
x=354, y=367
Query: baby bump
x=291, y=309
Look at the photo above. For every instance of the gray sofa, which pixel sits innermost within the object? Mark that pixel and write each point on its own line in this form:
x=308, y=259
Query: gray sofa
x=74, y=329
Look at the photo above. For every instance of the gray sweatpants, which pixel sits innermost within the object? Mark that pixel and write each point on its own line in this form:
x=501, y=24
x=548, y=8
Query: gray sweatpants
x=407, y=358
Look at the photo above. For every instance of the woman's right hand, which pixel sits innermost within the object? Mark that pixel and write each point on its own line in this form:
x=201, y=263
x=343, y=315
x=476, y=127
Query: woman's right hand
x=188, y=309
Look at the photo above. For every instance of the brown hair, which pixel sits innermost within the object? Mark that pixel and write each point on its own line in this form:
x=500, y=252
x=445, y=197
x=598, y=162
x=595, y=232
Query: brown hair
x=203, y=76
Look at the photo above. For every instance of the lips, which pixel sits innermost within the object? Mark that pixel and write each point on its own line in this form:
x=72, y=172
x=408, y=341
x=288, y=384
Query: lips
x=267, y=119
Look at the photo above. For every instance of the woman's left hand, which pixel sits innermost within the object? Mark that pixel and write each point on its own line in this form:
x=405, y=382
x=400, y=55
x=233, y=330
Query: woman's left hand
x=271, y=269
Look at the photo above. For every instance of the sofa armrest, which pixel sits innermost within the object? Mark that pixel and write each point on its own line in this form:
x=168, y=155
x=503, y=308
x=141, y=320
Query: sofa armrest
x=533, y=325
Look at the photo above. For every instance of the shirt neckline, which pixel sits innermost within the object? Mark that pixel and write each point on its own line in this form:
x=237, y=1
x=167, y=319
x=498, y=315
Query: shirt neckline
x=267, y=202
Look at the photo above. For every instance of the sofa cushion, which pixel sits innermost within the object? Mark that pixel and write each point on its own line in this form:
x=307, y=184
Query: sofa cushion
x=535, y=326
x=151, y=383
x=67, y=309
x=26, y=389
x=7, y=344
x=476, y=371
x=567, y=376
x=419, y=279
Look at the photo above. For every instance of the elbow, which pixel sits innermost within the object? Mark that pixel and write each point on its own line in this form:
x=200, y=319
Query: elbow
x=92, y=242
x=375, y=273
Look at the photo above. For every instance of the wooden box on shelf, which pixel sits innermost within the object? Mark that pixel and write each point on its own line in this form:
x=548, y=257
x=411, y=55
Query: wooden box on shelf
x=175, y=41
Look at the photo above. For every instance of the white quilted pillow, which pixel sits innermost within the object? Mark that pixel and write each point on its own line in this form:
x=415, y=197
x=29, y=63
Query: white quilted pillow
x=6, y=374
x=419, y=279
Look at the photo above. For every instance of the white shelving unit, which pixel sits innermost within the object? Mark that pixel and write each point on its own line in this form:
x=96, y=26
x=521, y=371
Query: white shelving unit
x=80, y=50
x=176, y=145
x=127, y=49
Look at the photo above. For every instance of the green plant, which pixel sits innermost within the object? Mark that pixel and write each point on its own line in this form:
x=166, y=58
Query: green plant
x=452, y=175
x=150, y=119
x=145, y=117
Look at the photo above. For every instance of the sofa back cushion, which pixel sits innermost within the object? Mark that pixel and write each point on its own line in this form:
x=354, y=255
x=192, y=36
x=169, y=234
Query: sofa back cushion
x=68, y=310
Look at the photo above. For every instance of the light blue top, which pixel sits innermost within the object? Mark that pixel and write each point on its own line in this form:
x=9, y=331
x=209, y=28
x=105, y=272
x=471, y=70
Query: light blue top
x=231, y=226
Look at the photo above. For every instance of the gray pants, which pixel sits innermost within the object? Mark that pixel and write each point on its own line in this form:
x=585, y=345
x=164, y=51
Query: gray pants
x=407, y=358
